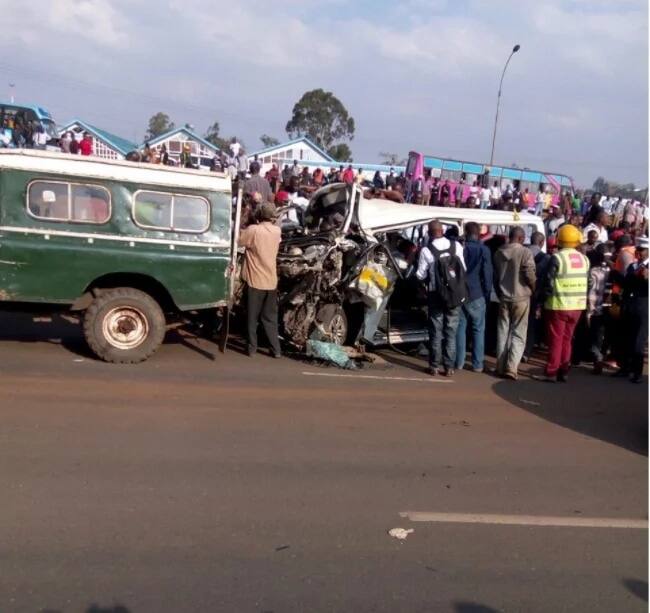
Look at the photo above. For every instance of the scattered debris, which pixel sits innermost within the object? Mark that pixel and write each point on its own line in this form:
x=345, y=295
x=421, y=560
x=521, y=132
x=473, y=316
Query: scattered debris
x=330, y=353
x=532, y=403
x=430, y=568
x=78, y=359
x=282, y=547
x=400, y=533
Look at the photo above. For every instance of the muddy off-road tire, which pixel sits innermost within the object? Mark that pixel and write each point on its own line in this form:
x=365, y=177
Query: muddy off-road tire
x=124, y=325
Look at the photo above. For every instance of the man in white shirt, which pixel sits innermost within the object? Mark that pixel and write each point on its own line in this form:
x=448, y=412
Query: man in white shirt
x=443, y=317
x=599, y=226
x=485, y=197
x=556, y=220
x=540, y=200
x=495, y=193
x=234, y=147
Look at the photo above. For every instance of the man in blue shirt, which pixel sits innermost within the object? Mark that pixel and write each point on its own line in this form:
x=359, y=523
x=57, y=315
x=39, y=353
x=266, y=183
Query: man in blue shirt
x=478, y=262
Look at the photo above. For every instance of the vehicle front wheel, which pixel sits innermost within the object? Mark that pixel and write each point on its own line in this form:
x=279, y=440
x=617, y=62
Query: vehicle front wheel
x=124, y=325
x=334, y=323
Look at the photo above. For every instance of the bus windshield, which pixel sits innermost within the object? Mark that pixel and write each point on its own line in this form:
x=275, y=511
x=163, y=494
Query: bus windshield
x=24, y=116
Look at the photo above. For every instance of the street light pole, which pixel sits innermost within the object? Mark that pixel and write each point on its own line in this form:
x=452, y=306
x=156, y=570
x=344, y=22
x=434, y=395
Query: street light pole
x=496, y=117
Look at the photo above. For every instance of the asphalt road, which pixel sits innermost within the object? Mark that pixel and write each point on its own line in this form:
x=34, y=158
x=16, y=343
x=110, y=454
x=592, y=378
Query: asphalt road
x=206, y=482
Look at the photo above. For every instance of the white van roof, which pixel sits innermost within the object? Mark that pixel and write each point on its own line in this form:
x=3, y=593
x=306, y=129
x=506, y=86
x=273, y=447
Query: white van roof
x=377, y=214
x=117, y=170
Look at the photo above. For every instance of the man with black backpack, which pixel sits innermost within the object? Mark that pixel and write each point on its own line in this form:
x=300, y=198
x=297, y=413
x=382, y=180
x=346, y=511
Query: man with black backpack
x=442, y=266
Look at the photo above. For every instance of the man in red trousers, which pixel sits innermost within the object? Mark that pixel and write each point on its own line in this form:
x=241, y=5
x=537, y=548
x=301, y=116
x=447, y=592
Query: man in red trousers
x=565, y=291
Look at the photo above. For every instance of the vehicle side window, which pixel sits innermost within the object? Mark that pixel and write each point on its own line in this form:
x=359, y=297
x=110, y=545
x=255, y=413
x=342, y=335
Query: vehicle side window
x=171, y=212
x=69, y=202
x=90, y=203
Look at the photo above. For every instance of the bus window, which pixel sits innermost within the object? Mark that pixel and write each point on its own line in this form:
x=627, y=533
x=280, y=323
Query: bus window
x=450, y=175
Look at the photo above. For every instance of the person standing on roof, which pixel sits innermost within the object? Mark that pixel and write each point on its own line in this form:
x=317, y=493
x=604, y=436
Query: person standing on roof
x=262, y=243
x=86, y=145
x=442, y=266
x=565, y=291
x=478, y=261
x=234, y=147
x=391, y=179
x=241, y=162
x=348, y=175
x=514, y=284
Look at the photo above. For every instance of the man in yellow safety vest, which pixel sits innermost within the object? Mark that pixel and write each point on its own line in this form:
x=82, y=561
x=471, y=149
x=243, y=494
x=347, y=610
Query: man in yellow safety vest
x=565, y=292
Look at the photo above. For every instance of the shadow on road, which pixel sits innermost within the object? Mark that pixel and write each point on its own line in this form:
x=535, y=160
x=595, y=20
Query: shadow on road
x=472, y=607
x=638, y=588
x=58, y=330
x=612, y=410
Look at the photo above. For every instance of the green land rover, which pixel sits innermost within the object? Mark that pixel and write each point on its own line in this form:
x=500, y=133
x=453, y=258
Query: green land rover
x=127, y=246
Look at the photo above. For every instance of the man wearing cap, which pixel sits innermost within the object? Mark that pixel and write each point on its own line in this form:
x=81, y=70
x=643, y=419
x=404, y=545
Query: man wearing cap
x=555, y=220
x=565, y=292
x=258, y=184
x=262, y=241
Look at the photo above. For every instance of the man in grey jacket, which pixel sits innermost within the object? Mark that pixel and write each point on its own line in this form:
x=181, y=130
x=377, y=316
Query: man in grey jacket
x=514, y=284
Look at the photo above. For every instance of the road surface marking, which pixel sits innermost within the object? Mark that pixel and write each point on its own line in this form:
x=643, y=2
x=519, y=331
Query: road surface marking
x=527, y=520
x=331, y=374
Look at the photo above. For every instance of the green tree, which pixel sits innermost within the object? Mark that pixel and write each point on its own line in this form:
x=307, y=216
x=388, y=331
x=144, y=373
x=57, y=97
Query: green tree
x=269, y=141
x=159, y=124
x=340, y=152
x=601, y=185
x=321, y=117
x=392, y=159
x=212, y=136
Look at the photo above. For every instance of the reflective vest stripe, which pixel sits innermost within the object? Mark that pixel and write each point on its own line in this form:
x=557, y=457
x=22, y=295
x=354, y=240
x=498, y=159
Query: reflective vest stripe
x=570, y=283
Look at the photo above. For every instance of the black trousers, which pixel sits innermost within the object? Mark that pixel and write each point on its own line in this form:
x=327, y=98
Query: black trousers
x=635, y=328
x=262, y=305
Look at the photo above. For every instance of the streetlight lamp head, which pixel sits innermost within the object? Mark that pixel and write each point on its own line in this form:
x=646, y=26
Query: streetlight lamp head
x=516, y=48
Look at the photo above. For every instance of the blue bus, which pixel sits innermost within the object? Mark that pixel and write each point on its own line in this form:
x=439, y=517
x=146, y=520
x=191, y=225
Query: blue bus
x=12, y=114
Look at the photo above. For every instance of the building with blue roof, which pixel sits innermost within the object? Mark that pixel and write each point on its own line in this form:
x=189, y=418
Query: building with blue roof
x=201, y=150
x=105, y=144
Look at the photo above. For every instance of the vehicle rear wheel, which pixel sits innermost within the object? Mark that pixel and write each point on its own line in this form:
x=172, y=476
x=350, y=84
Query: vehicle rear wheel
x=334, y=322
x=124, y=325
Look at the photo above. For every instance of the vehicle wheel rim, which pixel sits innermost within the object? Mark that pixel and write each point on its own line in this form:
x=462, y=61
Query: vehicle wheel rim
x=338, y=329
x=125, y=327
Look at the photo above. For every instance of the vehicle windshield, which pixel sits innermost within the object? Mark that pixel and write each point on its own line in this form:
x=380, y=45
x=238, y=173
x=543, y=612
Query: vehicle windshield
x=327, y=211
x=50, y=128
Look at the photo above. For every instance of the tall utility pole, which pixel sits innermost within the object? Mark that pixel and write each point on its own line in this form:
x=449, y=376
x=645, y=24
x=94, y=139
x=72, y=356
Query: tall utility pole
x=496, y=117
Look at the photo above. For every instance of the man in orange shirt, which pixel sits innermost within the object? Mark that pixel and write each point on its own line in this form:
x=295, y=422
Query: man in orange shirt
x=262, y=242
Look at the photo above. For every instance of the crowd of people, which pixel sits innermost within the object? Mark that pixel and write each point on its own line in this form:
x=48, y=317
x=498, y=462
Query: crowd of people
x=580, y=291
x=16, y=130
x=584, y=298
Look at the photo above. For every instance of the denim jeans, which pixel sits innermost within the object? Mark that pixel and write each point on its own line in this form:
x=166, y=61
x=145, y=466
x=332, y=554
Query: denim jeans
x=473, y=311
x=484, y=204
x=512, y=326
x=443, y=323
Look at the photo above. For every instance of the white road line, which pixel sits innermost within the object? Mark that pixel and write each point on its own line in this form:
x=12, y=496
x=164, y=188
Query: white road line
x=379, y=377
x=527, y=520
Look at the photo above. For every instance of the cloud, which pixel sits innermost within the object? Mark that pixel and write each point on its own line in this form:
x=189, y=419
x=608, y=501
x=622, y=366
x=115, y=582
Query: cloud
x=86, y=22
x=417, y=74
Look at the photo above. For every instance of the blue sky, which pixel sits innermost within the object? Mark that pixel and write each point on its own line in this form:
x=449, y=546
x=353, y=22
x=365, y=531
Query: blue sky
x=415, y=74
